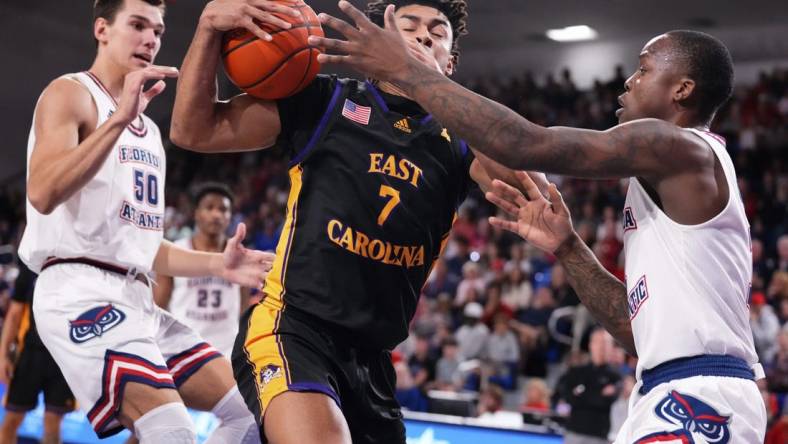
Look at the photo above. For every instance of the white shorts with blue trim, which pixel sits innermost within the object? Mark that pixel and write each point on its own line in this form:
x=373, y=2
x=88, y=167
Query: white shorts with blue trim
x=696, y=410
x=104, y=330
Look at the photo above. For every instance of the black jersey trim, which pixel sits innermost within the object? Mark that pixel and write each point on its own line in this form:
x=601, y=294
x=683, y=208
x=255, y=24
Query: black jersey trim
x=376, y=94
x=301, y=154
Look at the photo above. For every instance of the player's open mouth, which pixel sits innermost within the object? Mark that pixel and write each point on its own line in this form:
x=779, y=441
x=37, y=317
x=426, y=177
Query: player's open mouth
x=144, y=57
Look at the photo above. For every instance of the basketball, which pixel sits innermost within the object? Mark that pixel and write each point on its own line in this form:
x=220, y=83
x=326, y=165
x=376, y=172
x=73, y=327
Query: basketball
x=279, y=68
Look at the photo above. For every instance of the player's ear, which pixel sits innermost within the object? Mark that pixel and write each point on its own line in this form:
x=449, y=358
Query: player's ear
x=450, y=66
x=100, y=28
x=684, y=89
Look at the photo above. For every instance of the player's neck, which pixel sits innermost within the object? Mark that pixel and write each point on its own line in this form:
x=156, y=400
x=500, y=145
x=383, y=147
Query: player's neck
x=204, y=242
x=109, y=74
x=391, y=89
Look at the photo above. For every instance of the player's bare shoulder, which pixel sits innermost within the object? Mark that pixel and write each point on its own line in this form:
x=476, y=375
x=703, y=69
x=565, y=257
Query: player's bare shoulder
x=67, y=101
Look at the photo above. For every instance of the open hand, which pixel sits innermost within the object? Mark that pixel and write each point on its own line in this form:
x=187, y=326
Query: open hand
x=243, y=266
x=544, y=223
x=382, y=54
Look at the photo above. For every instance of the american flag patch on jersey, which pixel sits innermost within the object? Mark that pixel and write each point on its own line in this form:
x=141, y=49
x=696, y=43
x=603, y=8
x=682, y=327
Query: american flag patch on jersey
x=357, y=113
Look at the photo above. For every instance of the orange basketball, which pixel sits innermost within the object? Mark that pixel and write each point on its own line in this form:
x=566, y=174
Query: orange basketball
x=279, y=68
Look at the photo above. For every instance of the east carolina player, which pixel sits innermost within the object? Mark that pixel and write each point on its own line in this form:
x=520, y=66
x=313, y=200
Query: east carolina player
x=95, y=189
x=683, y=309
x=375, y=183
x=208, y=304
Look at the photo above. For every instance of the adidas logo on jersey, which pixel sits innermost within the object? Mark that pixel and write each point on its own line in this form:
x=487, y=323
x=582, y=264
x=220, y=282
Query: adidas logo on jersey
x=403, y=125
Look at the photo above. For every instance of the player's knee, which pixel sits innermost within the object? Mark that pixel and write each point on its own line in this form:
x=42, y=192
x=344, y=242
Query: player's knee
x=237, y=425
x=284, y=422
x=166, y=424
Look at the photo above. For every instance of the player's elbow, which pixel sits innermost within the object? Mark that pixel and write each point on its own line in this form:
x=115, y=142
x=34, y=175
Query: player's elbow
x=43, y=201
x=183, y=136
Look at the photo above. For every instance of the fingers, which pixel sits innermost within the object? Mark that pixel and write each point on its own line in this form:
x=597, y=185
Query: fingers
x=509, y=193
x=268, y=18
x=333, y=58
x=389, y=19
x=527, y=184
x=507, y=225
x=250, y=25
x=154, y=90
x=326, y=44
x=235, y=241
x=540, y=180
x=358, y=17
x=159, y=71
x=503, y=204
x=267, y=5
x=559, y=206
x=339, y=25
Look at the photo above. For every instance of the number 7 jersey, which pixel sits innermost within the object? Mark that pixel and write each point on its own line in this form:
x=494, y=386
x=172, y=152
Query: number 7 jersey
x=209, y=305
x=117, y=216
x=375, y=184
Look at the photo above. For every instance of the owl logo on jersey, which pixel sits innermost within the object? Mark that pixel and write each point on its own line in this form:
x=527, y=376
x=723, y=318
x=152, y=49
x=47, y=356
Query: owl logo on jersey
x=697, y=419
x=94, y=323
x=271, y=371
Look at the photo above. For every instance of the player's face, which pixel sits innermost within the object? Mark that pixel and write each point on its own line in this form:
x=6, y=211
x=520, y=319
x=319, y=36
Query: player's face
x=430, y=29
x=213, y=214
x=133, y=39
x=649, y=90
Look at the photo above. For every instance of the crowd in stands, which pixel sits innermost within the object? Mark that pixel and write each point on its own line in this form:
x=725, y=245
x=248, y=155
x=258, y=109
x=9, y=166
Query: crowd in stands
x=498, y=328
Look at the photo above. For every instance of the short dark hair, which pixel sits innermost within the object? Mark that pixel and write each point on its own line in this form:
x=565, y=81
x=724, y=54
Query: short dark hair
x=708, y=62
x=206, y=188
x=108, y=9
x=455, y=10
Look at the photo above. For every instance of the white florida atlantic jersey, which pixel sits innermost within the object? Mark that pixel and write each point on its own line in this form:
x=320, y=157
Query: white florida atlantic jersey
x=118, y=216
x=688, y=285
x=209, y=305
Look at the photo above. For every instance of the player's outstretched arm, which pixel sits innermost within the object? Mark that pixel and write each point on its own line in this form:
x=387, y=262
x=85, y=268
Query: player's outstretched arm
x=237, y=264
x=61, y=163
x=547, y=225
x=647, y=148
x=202, y=122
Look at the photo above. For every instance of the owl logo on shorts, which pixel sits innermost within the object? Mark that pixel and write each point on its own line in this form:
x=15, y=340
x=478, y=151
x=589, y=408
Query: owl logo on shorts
x=271, y=371
x=94, y=322
x=697, y=419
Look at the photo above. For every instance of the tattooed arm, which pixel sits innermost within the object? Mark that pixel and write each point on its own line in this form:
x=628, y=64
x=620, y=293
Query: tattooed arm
x=648, y=148
x=547, y=225
x=602, y=293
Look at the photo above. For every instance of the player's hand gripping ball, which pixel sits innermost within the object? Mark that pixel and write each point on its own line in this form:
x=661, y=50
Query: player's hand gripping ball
x=281, y=67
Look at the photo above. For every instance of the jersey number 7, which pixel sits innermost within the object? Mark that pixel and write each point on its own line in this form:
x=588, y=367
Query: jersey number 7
x=387, y=191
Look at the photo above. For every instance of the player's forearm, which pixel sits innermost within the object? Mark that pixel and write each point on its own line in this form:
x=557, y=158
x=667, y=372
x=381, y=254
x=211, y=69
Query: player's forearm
x=196, y=98
x=602, y=293
x=10, y=327
x=55, y=179
x=172, y=260
x=486, y=125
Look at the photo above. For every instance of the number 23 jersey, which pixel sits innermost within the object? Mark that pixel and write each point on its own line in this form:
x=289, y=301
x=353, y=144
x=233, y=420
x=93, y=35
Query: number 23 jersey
x=375, y=185
x=210, y=305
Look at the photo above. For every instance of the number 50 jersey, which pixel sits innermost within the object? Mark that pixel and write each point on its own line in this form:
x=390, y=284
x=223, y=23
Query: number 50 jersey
x=209, y=305
x=375, y=185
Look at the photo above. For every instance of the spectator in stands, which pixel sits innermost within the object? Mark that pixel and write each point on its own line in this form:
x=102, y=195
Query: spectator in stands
x=440, y=281
x=765, y=326
x=502, y=353
x=447, y=370
x=590, y=390
x=517, y=289
x=536, y=396
x=620, y=408
x=471, y=288
x=472, y=336
x=777, y=369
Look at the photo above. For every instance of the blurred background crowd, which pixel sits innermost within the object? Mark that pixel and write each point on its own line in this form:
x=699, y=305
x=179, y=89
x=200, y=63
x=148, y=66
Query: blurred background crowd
x=499, y=333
